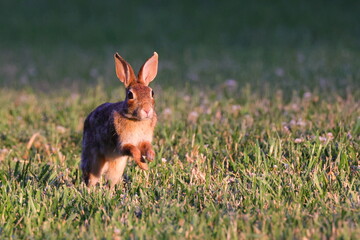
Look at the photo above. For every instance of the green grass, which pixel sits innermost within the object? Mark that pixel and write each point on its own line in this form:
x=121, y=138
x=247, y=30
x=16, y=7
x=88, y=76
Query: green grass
x=273, y=154
x=230, y=172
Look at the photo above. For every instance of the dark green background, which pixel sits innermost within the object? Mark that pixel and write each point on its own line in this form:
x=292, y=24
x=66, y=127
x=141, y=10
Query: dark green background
x=180, y=24
x=218, y=40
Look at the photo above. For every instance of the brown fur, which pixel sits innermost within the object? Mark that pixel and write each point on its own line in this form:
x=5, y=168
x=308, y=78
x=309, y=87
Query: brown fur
x=115, y=131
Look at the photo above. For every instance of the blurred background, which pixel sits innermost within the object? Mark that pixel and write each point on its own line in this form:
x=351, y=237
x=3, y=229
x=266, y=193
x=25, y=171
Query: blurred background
x=292, y=45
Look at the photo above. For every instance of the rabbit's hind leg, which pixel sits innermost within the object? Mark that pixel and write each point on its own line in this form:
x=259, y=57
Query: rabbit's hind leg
x=92, y=167
x=116, y=167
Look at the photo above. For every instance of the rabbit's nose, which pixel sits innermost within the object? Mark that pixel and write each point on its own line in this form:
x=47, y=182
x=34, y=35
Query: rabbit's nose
x=147, y=111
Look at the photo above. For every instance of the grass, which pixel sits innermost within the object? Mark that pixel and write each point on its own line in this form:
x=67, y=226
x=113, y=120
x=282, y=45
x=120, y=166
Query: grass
x=257, y=138
x=259, y=167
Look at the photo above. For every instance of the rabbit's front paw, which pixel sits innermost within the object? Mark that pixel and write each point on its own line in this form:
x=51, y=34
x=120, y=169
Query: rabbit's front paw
x=147, y=151
x=143, y=166
x=150, y=155
x=140, y=162
x=133, y=151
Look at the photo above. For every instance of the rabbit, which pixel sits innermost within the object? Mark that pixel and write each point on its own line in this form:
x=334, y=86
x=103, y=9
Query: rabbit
x=113, y=132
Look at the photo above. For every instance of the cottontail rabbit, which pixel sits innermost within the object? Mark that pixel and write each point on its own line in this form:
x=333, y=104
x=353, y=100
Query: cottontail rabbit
x=115, y=131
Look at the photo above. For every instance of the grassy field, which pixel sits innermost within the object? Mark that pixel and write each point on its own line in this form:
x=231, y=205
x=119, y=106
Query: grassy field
x=259, y=119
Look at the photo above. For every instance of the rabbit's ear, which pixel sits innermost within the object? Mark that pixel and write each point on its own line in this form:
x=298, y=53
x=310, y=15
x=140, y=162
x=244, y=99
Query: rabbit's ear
x=148, y=71
x=124, y=71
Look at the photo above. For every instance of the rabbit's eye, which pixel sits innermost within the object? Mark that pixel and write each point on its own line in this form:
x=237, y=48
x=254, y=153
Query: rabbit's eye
x=130, y=95
x=152, y=93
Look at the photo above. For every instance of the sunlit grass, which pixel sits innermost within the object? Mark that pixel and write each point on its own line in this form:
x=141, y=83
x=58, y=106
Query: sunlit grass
x=240, y=166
